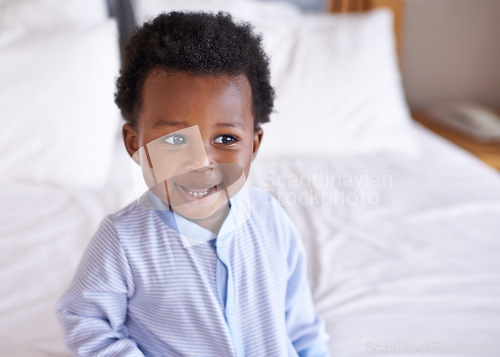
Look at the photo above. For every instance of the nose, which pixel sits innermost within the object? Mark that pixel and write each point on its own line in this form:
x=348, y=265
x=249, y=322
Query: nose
x=196, y=157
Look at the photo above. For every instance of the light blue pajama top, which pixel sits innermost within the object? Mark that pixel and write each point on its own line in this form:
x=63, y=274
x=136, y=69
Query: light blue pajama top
x=143, y=288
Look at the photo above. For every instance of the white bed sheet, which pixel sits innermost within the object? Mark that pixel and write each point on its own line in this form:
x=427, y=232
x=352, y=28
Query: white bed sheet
x=419, y=269
x=421, y=265
x=43, y=232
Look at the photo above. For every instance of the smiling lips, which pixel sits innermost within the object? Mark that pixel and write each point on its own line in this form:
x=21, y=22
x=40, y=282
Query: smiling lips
x=200, y=192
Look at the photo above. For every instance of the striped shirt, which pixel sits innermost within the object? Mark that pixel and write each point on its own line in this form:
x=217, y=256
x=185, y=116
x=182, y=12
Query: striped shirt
x=143, y=288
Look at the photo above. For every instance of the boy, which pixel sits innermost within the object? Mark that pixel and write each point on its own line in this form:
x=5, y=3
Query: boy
x=194, y=89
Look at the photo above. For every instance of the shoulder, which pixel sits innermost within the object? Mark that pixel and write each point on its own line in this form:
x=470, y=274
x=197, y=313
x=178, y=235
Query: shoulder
x=132, y=218
x=264, y=200
x=132, y=210
x=268, y=215
x=279, y=224
x=259, y=196
x=265, y=204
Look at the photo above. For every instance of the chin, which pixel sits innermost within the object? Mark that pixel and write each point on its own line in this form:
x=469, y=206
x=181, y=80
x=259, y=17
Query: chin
x=197, y=213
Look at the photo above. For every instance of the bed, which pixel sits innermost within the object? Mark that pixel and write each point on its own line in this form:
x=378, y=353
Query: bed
x=401, y=228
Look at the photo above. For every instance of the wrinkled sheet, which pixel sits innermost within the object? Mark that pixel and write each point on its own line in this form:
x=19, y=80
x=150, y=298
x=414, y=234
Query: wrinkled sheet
x=43, y=232
x=416, y=262
x=416, y=266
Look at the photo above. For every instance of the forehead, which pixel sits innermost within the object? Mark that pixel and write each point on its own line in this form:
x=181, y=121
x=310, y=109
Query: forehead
x=195, y=100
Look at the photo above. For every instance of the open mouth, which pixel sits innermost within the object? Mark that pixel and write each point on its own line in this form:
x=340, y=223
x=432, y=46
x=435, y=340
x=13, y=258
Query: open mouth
x=201, y=192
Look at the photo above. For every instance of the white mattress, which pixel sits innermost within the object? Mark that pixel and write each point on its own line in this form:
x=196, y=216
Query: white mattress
x=421, y=265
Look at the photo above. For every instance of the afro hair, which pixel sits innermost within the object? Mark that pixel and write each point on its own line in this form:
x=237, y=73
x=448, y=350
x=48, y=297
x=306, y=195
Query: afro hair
x=203, y=44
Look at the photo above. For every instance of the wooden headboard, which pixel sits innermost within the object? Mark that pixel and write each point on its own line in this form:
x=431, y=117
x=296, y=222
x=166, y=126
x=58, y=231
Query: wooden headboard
x=397, y=7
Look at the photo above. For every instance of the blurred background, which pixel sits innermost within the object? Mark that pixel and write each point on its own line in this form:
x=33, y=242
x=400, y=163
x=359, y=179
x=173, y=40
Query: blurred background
x=451, y=50
x=416, y=264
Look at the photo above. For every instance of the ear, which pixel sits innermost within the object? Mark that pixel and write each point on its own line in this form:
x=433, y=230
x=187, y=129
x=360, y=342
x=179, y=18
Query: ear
x=130, y=139
x=257, y=139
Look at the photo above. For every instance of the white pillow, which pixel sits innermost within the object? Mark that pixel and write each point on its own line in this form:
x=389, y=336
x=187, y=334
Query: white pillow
x=337, y=81
x=338, y=87
x=57, y=114
x=247, y=10
x=44, y=14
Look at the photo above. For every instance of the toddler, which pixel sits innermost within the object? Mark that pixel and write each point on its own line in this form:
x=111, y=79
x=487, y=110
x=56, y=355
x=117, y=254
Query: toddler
x=201, y=264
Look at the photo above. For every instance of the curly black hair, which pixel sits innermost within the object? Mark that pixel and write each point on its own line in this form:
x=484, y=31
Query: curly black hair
x=203, y=44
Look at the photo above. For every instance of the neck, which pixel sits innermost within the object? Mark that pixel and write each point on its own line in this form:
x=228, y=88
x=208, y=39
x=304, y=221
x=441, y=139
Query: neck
x=215, y=221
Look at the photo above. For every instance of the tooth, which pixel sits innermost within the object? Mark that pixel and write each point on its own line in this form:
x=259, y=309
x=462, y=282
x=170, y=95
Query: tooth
x=198, y=194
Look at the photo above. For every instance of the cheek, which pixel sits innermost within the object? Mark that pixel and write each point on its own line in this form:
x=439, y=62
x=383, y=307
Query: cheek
x=240, y=158
x=246, y=159
x=166, y=165
x=239, y=170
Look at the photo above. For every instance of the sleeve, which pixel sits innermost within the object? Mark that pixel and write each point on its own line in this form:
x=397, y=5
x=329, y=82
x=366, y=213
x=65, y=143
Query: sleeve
x=93, y=311
x=305, y=328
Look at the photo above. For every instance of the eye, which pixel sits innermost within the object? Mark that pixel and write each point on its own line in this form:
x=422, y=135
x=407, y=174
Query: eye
x=225, y=139
x=175, y=140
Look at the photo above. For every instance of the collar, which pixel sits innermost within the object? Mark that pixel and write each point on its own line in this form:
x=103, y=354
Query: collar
x=191, y=233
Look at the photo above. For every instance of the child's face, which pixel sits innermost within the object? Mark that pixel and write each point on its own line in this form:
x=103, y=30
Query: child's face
x=194, y=139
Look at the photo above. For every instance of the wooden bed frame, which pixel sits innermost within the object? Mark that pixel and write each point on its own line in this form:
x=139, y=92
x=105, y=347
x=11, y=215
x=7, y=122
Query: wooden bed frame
x=397, y=7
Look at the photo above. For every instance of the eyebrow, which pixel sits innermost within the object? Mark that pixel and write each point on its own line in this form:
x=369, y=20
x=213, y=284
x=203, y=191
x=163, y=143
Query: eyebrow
x=231, y=125
x=175, y=123
x=183, y=124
